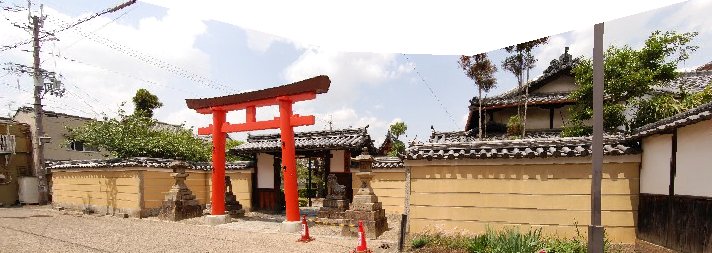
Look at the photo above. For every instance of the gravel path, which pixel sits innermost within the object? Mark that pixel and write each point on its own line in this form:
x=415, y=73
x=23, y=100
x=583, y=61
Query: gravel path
x=42, y=229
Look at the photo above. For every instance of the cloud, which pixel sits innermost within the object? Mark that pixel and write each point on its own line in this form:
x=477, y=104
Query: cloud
x=349, y=72
x=100, y=61
x=259, y=41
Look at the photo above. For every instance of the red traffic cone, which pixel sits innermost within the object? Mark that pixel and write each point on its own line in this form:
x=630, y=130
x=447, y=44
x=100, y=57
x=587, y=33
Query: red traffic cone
x=305, y=231
x=361, y=248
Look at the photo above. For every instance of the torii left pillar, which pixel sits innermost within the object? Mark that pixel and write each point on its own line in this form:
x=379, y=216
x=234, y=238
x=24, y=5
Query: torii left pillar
x=282, y=96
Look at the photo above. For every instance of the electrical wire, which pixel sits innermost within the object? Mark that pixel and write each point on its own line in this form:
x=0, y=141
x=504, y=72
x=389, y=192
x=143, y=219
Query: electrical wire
x=435, y=96
x=148, y=59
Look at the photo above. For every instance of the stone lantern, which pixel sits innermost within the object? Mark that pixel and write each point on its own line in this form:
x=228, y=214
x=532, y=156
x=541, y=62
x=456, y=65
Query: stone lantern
x=179, y=203
x=365, y=206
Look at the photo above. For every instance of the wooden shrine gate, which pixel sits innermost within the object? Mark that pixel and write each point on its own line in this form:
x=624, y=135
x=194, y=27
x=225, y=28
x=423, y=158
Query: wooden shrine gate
x=283, y=96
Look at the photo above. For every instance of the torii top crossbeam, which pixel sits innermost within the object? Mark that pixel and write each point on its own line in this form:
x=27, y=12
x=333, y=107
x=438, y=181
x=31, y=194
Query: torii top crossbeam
x=284, y=96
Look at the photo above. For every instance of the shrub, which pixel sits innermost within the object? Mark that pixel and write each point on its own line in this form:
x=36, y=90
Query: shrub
x=304, y=193
x=514, y=126
x=419, y=241
x=576, y=128
x=478, y=244
x=656, y=108
x=303, y=202
x=512, y=240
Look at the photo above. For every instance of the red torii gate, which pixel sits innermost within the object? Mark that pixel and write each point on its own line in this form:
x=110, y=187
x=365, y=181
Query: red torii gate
x=283, y=96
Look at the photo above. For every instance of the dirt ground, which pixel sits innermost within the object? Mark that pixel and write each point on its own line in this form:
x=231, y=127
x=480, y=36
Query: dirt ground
x=43, y=229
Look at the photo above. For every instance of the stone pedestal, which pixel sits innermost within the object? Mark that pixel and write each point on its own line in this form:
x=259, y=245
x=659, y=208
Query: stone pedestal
x=290, y=226
x=365, y=206
x=179, y=203
x=214, y=220
x=232, y=206
x=335, y=203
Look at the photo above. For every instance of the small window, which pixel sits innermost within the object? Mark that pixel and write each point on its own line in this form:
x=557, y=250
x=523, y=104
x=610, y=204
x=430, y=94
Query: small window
x=80, y=146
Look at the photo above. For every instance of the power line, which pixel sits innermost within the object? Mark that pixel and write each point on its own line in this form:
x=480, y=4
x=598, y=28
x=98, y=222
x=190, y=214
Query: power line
x=435, y=96
x=149, y=59
x=118, y=73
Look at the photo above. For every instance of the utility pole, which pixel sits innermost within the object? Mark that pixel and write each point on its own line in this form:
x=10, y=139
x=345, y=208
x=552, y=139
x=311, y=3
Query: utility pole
x=37, y=148
x=595, y=230
x=38, y=75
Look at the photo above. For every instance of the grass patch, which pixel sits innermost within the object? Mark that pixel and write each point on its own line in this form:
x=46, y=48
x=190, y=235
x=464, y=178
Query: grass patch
x=508, y=240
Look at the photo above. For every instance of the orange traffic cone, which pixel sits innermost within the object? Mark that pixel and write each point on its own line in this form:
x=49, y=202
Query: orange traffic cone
x=361, y=248
x=305, y=231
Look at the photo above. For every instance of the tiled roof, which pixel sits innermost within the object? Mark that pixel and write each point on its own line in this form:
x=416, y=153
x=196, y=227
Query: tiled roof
x=386, y=162
x=692, y=81
x=707, y=66
x=703, y=112
x=557, y=67
x=471, y=136
x=522, y=148
x=142, y=162
x=533, y=99
x=314, y=140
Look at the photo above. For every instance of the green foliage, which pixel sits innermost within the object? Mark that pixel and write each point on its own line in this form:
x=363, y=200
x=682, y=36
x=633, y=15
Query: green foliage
x=512, y=240
x=303, y=202
x=629, y=75
x=576, y=128
x=135, y=135
x=655, y=108
x=441, y=240
x=514, y=126
x=478, y=244
x=507, y=240
x=145, y=103
x=229, y=144
x=699, y=98
x=419, y=242
x=398, y=148
x=397, y=129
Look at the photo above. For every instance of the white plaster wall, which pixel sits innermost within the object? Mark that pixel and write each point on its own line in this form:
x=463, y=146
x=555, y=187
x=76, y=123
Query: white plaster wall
x=655, y=165
x=561, y=84
x=337, y=161
x=265, y=171
x=694, y=160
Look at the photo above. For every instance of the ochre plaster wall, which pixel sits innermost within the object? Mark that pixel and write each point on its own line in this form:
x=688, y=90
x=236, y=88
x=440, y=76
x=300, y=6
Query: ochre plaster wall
x=554, y=197
x=137, y=191
x=389, y=187
x=106, y=192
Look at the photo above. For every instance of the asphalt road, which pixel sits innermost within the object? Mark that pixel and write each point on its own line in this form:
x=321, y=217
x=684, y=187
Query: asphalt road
x=42, y=229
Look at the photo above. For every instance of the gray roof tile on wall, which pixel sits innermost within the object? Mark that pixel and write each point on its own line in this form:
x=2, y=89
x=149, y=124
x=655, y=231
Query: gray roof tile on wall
x=142, y=162
x=522, y=148
x=386, y=162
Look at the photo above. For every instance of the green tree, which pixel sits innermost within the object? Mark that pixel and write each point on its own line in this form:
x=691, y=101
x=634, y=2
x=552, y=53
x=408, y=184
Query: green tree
x=397, y=129
x=481, y=70
x=630, y=75
x=136, y=135
x=229, y=144
x=519, y=62
x=145, y=103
